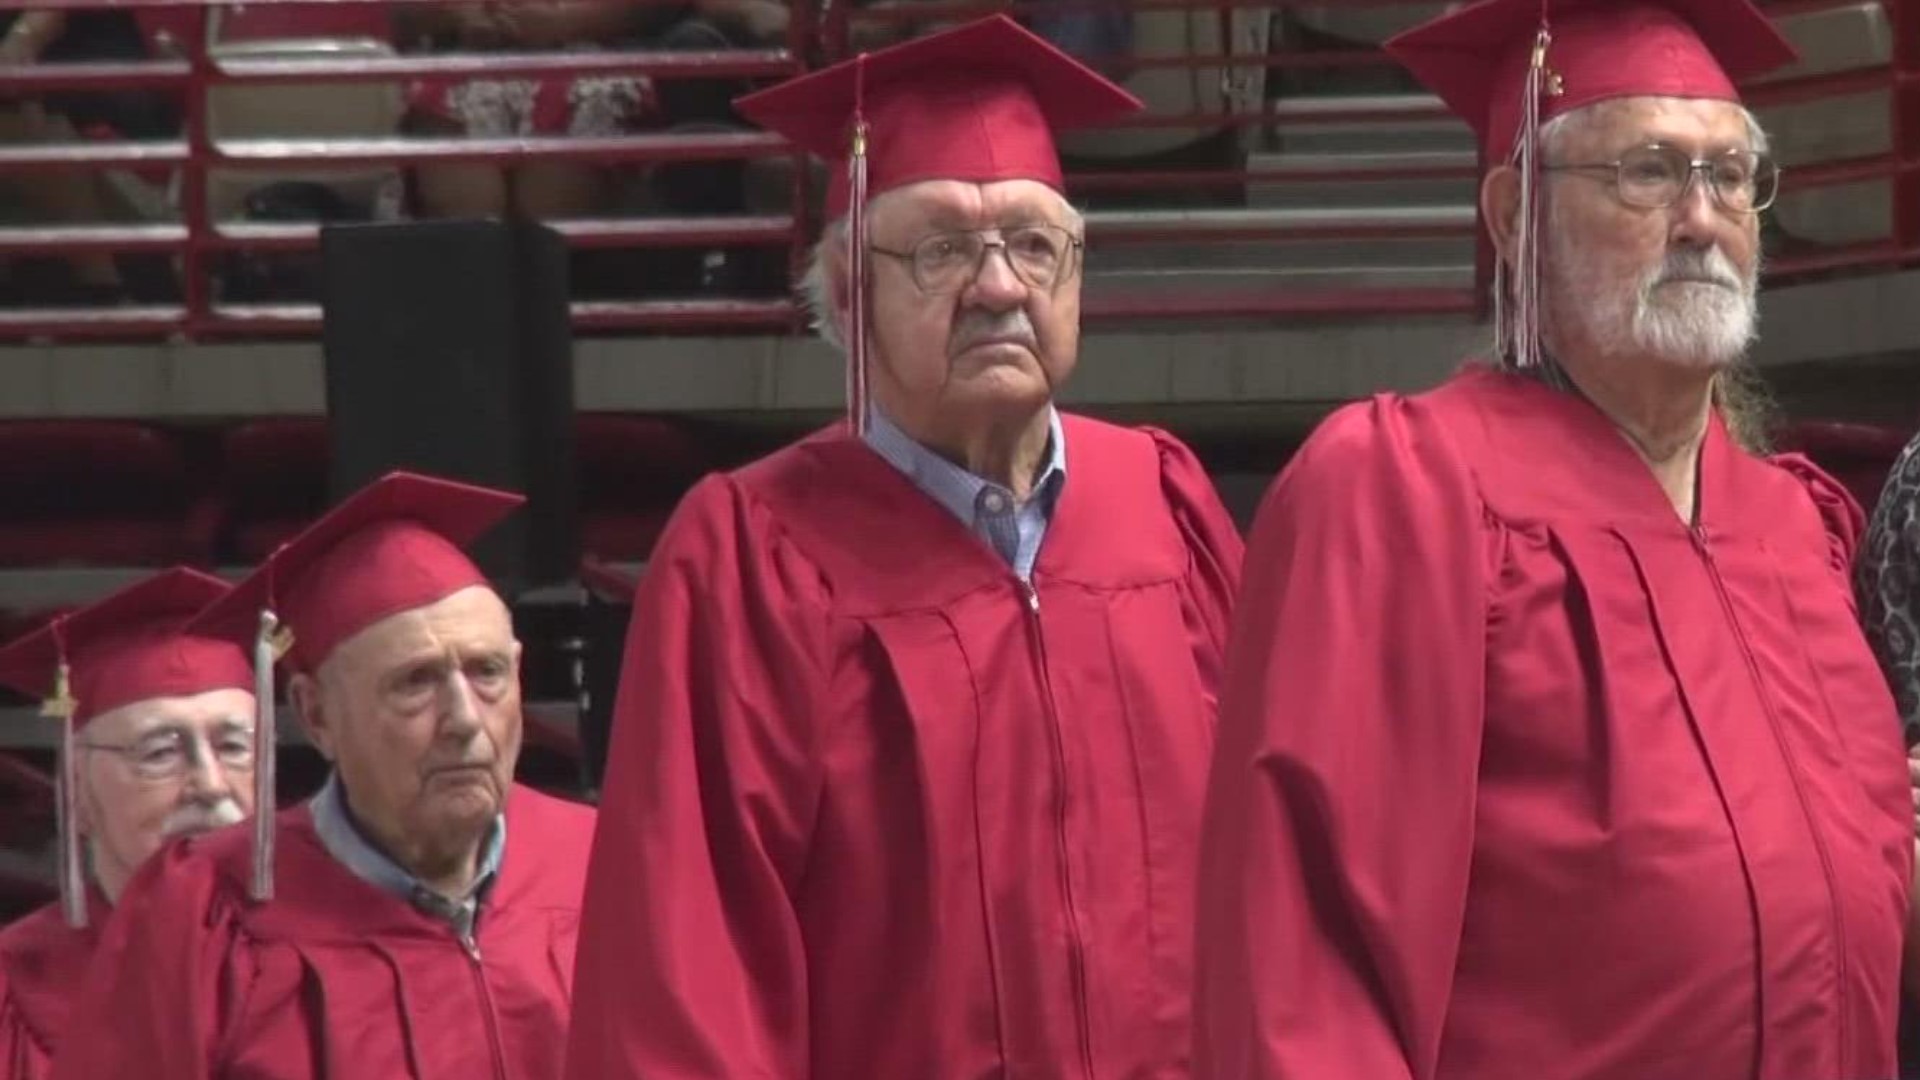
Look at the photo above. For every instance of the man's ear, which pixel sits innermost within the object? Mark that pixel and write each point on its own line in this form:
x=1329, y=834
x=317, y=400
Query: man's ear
x=1500, y=209
x=303, y=692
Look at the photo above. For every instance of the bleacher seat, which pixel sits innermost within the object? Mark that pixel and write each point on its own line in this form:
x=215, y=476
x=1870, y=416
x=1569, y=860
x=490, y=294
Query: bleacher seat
x=275, y=475
x=100, y=493
x=299, y=110
x=632, y=471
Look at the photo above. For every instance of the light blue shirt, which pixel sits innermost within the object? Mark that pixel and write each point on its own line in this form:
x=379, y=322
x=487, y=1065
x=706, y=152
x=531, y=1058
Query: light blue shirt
x=1012, y=529
x=344, y=841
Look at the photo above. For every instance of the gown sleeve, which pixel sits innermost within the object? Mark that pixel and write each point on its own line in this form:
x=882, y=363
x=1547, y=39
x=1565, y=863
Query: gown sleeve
x=164, y=978
x=1214, y=551
x=690, y=960
x=1340, y=814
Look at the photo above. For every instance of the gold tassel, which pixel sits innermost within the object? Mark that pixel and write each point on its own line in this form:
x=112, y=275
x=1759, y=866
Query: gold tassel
x=61, y=706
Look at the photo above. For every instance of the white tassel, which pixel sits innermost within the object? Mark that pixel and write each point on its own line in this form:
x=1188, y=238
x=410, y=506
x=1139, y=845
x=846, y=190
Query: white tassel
x=1517, y=293
x=268, y=645
x=857, y=257
x=73, y=884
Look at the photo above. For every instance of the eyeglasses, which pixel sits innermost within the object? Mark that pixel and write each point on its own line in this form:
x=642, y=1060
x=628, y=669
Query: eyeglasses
x=1656, y=177
x=1042, y=257
x=167, y=753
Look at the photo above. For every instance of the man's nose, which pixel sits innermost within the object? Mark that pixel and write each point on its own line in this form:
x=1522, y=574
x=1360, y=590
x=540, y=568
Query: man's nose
x=996, y=287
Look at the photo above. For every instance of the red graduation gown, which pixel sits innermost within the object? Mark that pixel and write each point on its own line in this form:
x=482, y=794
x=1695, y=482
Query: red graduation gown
x=42, y=961
x=334, y=977
x=873, y=809
x=1520, y=777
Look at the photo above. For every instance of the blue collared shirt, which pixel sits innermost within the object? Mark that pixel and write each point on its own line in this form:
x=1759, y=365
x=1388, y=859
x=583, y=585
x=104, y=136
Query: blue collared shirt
x=343, y=840
x=1012, y=529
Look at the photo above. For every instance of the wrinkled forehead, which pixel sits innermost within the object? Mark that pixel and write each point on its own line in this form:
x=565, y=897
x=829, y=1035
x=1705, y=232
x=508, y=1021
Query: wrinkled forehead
x=208, y=713
x=473, y=619
x=939, y=205
x=1697, y=125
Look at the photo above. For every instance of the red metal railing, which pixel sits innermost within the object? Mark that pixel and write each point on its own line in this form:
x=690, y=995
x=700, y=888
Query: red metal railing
x=824, y=35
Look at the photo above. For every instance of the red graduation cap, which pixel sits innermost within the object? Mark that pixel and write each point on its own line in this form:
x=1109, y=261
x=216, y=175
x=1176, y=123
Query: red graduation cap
x=1477, y=59
x=978, y=103
x=391, y=547
x=1509, y=66
x=126, y=648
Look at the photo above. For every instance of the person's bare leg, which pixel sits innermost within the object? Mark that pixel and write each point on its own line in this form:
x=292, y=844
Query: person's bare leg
x=546, y=191
x=457, y=189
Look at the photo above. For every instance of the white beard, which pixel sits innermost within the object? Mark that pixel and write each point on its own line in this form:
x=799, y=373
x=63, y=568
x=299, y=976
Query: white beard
x=1695, y=309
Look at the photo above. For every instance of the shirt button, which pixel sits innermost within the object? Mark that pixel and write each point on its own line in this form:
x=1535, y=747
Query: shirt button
x=996, y=503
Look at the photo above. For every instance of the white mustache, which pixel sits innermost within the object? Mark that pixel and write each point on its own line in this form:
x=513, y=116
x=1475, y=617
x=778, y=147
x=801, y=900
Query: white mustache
x=1702, y=265
x=203, y=817
x=976, y=325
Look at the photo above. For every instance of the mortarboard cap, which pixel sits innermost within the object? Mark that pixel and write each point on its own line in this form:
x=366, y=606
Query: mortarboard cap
x=1477, y=59
x=390, y=547
x=393, y=546
x=127, y=648
x=979, y=103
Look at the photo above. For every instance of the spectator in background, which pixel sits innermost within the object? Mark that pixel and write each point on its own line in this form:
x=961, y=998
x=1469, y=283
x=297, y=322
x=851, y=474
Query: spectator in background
x=516, y=107
x=46, y=36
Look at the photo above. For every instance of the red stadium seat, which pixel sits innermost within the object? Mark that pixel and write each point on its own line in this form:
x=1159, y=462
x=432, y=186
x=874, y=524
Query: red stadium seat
x=100, y=493
x=633, y=469
x=276, y=482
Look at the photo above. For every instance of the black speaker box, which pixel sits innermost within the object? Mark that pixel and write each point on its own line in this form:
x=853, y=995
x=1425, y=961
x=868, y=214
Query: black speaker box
x=449, y=351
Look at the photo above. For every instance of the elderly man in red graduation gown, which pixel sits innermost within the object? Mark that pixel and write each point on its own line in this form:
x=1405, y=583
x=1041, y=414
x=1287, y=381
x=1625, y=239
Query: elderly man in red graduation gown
x=1551, y=746
x=416, y=919
x=906, y=768
x=157, y=743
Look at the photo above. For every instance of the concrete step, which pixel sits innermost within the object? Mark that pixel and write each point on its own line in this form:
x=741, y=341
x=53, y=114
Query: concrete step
x=1843, y=38
x=1266, y=255
x=1340, y=124
x=1112, y=286
x=1309, y=189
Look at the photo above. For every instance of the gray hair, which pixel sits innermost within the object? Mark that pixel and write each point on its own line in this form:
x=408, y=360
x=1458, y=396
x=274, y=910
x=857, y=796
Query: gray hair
x=1564, y=127
x=816, y=282
x=828, y=259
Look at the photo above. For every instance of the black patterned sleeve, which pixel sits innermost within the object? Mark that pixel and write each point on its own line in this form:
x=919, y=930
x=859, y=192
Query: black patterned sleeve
x=1888, y=578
